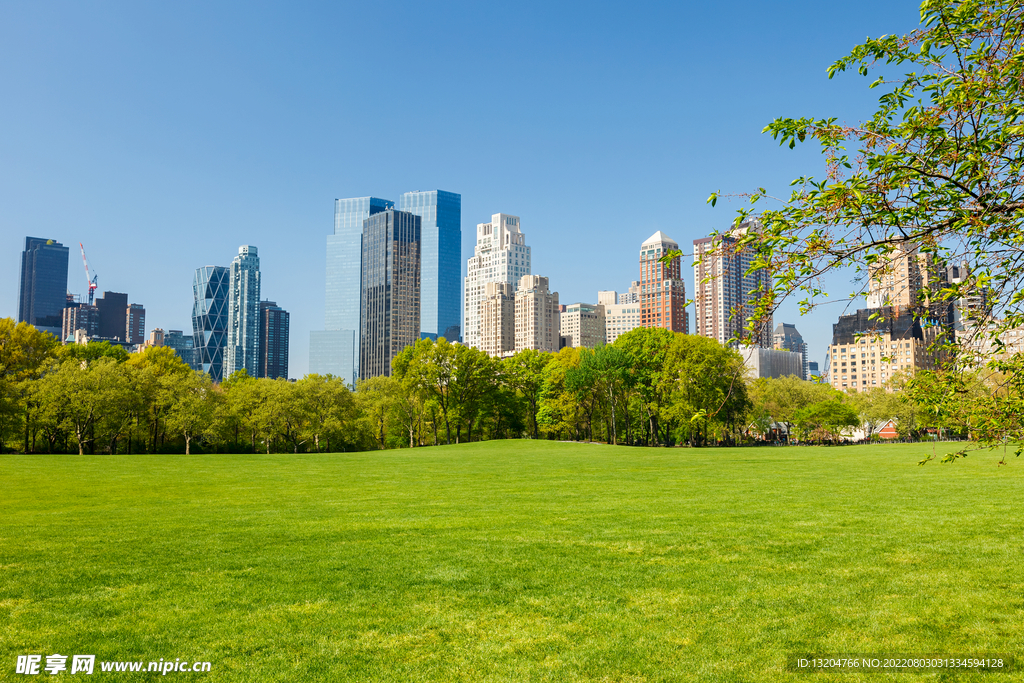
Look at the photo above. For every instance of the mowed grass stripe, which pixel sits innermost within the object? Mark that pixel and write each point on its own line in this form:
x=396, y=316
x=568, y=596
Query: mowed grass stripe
x=509, y=561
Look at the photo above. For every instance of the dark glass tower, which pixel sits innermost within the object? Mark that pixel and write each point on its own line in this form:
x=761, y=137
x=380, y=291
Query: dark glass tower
x=113, y=307
x=44, y=284
x=441, y=261
x=390, y=291
x=273, y=362
x=210, y=319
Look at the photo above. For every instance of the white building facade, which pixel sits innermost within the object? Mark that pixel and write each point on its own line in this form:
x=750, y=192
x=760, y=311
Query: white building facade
x=500, y=255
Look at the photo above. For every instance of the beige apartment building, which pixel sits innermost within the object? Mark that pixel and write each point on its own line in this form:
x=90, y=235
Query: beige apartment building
x=536, y=315
x=498, y=319
x=583, y=325
x=865, y=352
x=500, y=255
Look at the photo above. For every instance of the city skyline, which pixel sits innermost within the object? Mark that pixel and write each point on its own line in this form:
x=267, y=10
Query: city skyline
x=124, y=108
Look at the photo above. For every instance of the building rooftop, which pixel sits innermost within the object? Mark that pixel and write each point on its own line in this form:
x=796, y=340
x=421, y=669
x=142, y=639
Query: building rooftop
x=657, y=238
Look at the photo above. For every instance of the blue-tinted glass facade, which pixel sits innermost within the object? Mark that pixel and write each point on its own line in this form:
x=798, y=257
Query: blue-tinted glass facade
x=440, y=261
x=341, y=309
x=333, y=352
x=44, y=284
x=344, y=254
x=210, y=318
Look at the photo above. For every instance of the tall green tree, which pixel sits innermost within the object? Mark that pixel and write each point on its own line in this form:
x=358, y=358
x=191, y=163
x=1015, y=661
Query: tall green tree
x=524, y=372
x=192, y=411
x=24, y=352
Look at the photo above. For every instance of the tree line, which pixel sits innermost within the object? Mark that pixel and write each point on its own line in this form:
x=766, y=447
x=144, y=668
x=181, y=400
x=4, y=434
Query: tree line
x=652, y=387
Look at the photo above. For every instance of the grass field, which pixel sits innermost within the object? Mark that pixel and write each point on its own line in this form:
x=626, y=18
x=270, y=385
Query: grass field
x=511, y=561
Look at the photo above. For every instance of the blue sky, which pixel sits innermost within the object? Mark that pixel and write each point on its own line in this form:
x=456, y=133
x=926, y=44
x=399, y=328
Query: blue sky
x=165, y=135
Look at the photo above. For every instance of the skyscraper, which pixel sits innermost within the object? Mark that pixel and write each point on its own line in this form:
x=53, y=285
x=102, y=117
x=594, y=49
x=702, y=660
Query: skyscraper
x=390, y=292
x=787, y=337
x=210, y=319
x=78, y=316
x=500, y=255
x=498, y=319
x=723, y=303
x=440, y=215
x=44, y=284
x=136, y=319
x=273, y=341
x=243, y=341
x=113, y=307
x=662, y=291
x=335, y=349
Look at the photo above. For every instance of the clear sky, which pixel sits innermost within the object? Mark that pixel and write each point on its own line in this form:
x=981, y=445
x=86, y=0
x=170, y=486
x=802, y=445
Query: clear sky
x=165, y=135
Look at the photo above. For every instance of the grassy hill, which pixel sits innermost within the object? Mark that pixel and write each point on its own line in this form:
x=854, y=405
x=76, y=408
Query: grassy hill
x=511, y=561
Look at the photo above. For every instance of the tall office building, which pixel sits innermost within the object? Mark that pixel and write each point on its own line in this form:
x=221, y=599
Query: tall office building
x=80, y=317
x=975, y=306
x=662, y=291
x=274, y=320
x=440, y=215
x=210, y=319
x=723, y=303
x=787, y=337
x=537, y=315
x=135, y=318
x=44, y=284
x=113, y=307
x=907, y=278
x=500, y=255
x=335, y=349
x=390, y=291
x=498, y=319
x=243, y=341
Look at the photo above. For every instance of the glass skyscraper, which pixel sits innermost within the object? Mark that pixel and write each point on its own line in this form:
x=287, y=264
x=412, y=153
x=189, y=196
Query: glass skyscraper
x=390, y=292
x=335, y=350
x=44, y=284
x=243, y=340
x=441, y=261
x=210, y=319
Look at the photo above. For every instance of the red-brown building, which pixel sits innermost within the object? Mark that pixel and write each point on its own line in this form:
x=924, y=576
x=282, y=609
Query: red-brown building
x=662, y=291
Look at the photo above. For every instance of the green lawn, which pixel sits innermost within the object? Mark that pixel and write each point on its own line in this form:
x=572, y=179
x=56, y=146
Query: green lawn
x=511, y=561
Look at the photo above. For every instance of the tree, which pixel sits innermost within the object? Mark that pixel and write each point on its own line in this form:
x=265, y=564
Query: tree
x=826, y=420
x=24, y=351
x=329, y=409
x=524, y=372
x=708, y=388
x=938, y=168
x=192, y=409
x=376, y=398
x=647, y=349
x=782, y=397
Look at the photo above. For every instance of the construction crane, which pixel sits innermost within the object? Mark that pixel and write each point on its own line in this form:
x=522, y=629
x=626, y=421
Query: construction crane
x=91, y=280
